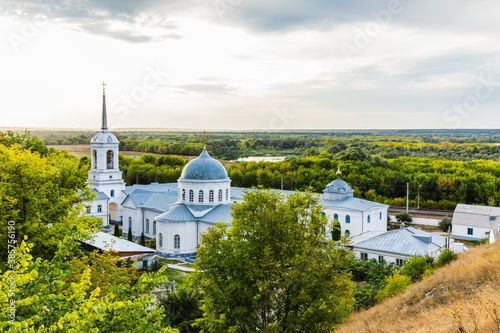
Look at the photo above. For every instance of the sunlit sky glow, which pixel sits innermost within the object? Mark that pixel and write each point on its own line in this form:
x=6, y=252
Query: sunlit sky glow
x=250, y=64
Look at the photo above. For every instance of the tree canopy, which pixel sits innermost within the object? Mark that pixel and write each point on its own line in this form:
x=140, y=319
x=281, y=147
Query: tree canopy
x=273, y=270
x=43, y=196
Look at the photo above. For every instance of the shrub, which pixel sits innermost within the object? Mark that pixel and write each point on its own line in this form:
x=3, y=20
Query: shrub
x=403, y=217
x=445, y=224
x=396, y=283
x=417, y=267
x=445, y=257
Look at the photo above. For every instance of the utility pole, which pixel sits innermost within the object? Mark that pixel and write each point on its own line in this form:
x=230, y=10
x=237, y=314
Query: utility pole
x=418, y=195
x=282, y=183
x=407, y=195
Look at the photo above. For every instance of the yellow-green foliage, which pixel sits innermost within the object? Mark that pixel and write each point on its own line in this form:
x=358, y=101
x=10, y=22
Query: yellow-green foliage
x=396, y=283
x=44, y=303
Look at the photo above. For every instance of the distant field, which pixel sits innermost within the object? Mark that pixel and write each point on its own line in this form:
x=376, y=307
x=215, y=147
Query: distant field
x=84, y=150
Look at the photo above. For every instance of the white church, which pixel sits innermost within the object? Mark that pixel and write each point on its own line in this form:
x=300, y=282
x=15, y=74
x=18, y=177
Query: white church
x=177, y=213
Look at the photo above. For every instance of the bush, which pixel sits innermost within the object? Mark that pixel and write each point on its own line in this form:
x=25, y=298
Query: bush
x=403, y=217
x=396, y=283
x=445, y=224
x=445, y=257
x=151, y=243
x=417, y=267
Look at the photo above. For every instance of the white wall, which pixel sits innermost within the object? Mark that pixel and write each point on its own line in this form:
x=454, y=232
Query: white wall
x=460, y=231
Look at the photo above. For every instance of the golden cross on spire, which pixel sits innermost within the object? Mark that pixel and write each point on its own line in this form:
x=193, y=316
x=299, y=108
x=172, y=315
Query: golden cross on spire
x=204, y=136
x=103, y=88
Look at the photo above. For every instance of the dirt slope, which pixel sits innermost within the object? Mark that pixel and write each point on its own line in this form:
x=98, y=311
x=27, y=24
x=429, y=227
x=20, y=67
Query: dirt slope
x=461, y=297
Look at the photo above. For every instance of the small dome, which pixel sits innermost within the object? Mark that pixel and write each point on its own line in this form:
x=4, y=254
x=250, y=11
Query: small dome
x=104, y=137
x=204, y=167
x=338, y=186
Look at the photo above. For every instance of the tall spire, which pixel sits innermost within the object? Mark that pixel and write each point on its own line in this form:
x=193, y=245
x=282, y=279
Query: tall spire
x=104, y=126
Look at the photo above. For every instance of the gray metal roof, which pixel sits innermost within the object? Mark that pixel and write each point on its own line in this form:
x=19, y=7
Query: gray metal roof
x=352, y=203
x=179, y=213
x=182, y=213
x=158, y=201
x=204, y=167
x=221, y=213
x=105, y=241
x=476, y=216
x=100, y=195
x=153, y=187
x=407, y=241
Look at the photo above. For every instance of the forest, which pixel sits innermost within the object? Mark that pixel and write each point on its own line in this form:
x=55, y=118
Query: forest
x=440, y=169
x=461, y=145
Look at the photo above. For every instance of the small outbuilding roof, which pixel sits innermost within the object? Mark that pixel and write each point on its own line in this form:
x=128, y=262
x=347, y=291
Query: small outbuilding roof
x=406, y=241
x=104, y=241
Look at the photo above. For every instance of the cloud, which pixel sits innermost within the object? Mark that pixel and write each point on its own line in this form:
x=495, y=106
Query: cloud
x=122, y=20
x=205, y=88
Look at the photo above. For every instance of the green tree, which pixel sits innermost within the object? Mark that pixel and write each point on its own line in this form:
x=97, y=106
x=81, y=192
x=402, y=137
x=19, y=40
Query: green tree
x=336, y=231
x=274, y=270
x=45, y=302
x=370, y=277
x=129, y=234
x=107, y=272
x=182, y=308
x=142, y=240
x=43, y=196
x=117, y=231
x=445, y=223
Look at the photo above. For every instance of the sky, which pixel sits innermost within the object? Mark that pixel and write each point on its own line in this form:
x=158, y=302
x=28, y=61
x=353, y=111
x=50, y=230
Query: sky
x=250, y=64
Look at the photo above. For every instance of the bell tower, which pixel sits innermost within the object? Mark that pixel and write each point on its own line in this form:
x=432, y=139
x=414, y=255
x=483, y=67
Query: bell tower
x=105, y=175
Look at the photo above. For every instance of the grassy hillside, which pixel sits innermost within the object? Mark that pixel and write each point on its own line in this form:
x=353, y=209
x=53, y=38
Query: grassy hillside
x=461, y=297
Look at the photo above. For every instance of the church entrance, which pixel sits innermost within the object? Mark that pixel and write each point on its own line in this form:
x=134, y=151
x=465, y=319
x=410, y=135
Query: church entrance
x=114, y=213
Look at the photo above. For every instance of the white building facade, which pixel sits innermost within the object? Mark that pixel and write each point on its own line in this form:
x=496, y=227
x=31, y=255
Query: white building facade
x=176, y=214
x=474, y=222
x=105, y=176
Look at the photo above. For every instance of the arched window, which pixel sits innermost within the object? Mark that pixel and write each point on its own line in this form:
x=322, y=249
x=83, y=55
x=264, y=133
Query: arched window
x=160, y=240
x=183, y=195
x=200, y=196
x=147, y=226
x=177, y=242
x=347, y=232
x=109, y=159
x=211, y=196
x=130, y=222
x=335, y=216
x=191, y=196
x=220, y=195
x=227, y=194
x=154, y=228
x=347, y=219
x=112, y=193
x=94, y=153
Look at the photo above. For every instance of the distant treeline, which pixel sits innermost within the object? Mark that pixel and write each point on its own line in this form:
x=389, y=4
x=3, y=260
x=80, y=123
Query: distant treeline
x=440, y=184
x=458, y=145
x=433, y=183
